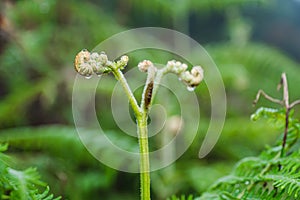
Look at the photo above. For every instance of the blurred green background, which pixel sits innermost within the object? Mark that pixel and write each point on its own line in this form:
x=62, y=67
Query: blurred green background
x=251, y=42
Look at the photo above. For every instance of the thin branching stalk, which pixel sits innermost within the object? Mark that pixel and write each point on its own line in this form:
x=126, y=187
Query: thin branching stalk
x=284, y=102
x=120, y=77
x=144, y=157
x=141, y=114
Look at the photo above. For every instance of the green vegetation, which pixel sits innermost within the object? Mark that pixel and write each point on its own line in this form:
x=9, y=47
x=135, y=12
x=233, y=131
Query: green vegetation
x=38, y=41
x=275, y=173
x=20, y=185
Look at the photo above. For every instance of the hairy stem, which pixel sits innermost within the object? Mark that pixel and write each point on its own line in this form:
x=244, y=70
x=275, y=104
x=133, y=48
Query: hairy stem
x=157, y=80
x=141, y=116
x=144, y=157
x=143, y=134
x=120, y=77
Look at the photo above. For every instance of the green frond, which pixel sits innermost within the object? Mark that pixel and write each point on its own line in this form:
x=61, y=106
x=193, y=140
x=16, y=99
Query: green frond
x=23, y=183
x=3, y=147
x=20, y=185
x=182, y=197
x=269, y=113
x=4, y=159
x=56, y=139
x=275, y=116
x=45, y=195
x=268, y=176
x=47, y=143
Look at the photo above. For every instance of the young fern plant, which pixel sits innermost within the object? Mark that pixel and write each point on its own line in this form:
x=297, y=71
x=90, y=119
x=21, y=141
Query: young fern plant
x=87, y=64
x=275, y=174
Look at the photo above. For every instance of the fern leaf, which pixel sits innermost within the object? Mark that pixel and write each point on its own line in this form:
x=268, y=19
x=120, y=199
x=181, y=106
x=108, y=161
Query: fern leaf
x=20, y=185
x=45, y=195
x=182, y=197
x=268, y=176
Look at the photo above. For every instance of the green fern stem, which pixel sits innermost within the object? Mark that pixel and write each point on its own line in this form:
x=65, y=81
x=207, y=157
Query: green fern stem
x=142, y=129
x=147, y=97
x=144, y=157
x=120, y=77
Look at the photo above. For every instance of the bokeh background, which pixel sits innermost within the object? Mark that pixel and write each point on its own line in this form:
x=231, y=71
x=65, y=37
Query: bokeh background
x=251, y=42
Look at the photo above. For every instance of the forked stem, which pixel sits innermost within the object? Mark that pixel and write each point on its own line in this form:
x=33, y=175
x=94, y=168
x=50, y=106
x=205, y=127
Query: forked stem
x=141, y=115
x=284, y=102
